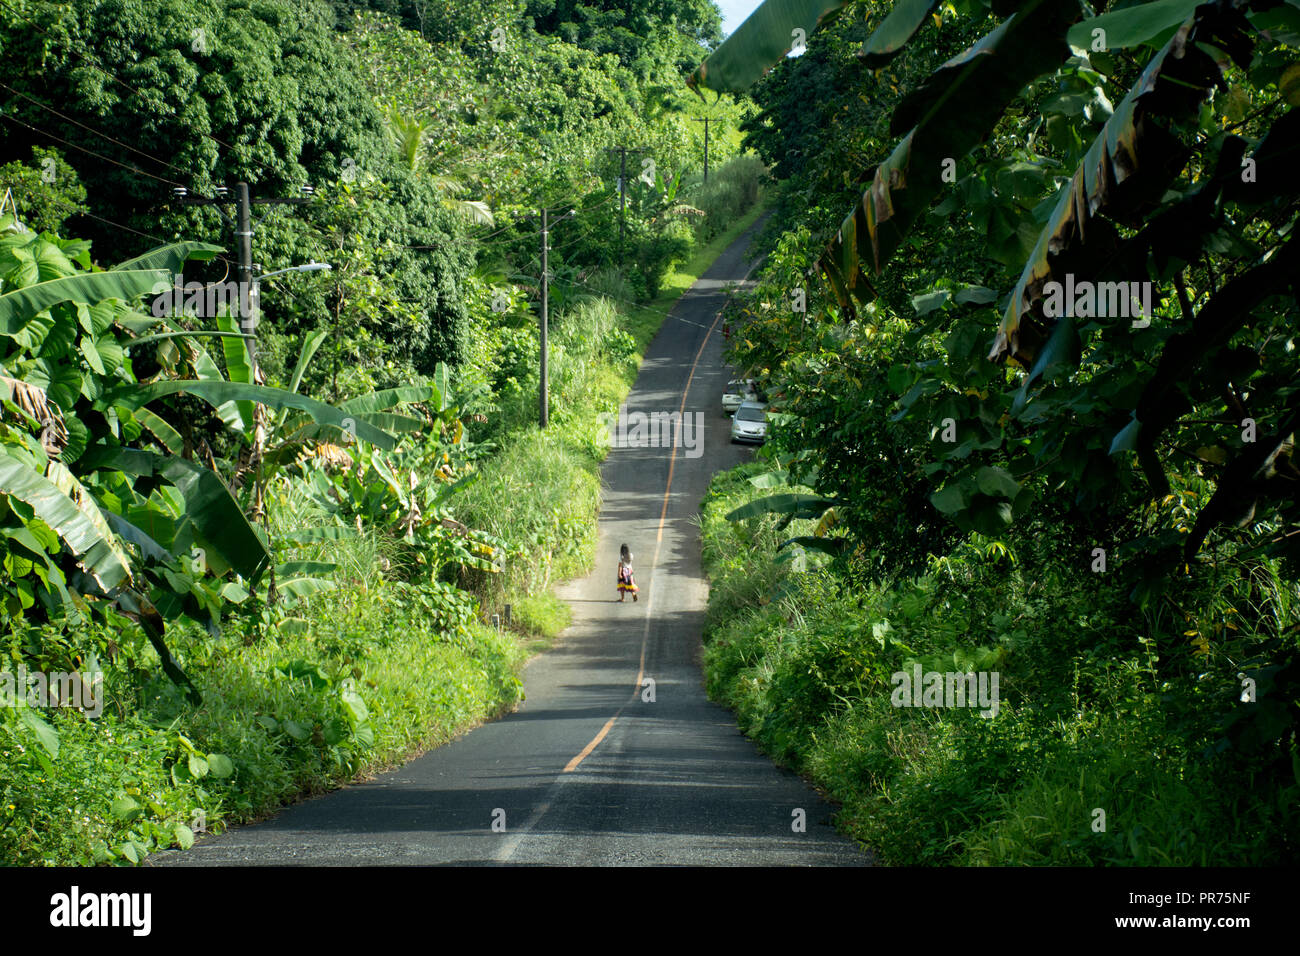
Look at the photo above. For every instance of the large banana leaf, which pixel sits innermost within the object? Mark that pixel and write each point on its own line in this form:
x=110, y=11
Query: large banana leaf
x=66, y=482
x=952, y=112
x=309, y=347
x=304, y=587
x=150, y=548
x=1133, y=25
x=206, y=370
x=1173, y=84
x=322, y=533
x=888, y=39
x=170, y=257
x=759, y=43
x=369, y=408
x=239, y=368
x=18, y=306
x=307, y=431
x=162, y=430
x=216, y=516
x=218, y=393
x=387, y=398
x=792, y=505
x=91, y=542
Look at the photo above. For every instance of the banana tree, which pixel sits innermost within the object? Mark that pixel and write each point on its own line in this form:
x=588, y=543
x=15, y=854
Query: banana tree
x=410, y=491
x=89, y=514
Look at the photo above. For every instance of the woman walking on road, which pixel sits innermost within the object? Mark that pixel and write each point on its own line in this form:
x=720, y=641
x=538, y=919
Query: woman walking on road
x=625, y=581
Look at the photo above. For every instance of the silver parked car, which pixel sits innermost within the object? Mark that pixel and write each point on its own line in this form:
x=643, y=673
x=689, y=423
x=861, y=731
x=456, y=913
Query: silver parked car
x=750, y=423
x=738, y=390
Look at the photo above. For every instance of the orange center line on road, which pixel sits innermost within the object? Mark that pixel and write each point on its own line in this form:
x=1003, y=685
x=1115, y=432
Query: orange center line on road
x=572, y=765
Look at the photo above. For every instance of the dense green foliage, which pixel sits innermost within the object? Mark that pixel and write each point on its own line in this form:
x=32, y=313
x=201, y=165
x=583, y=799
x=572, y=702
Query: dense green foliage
x=1090, y=715
x=1116, y=488
x=49, y=186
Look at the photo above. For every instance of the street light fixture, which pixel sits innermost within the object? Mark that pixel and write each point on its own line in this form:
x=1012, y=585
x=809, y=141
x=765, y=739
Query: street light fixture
x=308, y=267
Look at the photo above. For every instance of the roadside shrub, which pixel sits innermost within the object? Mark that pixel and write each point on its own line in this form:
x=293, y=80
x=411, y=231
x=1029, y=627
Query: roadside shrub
x=732, y=190
x=1100, y=709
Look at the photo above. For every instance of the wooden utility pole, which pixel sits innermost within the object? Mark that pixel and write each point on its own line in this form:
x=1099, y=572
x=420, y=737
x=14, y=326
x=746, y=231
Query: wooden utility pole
x=622, y=199
x=243, y=223
x=622, y=188
x=544, y=397
x=705, y=121
x=244, y=270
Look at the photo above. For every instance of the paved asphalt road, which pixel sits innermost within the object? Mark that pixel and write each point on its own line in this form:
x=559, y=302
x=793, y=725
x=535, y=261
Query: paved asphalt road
x=586, y=771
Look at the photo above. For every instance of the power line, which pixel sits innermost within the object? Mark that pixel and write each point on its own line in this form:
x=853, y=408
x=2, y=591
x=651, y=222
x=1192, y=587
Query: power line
x=586, y=234
x=118, y=225
x=592, y=289
x=145, y=235
x=579, y=209
x=171, y=109
x=483, y=239
x=89, y=152
x=98, y=133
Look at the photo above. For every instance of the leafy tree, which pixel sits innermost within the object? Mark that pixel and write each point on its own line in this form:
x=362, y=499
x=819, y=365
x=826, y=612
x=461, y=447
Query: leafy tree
x=46, y=193
x=209, y=92
x=468, y=22
x=204, y=92
x=1058, y=305
x=1156, y=229
x=643, y=35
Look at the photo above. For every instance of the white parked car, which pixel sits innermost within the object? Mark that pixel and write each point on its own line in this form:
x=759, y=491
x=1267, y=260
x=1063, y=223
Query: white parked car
x=737, y=391
x=750, y=423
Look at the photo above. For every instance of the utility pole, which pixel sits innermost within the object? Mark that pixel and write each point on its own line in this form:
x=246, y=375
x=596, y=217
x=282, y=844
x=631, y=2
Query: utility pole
x=244, y=272
x=705, y=121
x=543, y=392
x=243, y=223
x=622, y=199
x=622, y=188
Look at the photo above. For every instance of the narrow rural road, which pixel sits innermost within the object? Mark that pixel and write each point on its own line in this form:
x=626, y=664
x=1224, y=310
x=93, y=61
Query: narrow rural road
x=587, y=771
